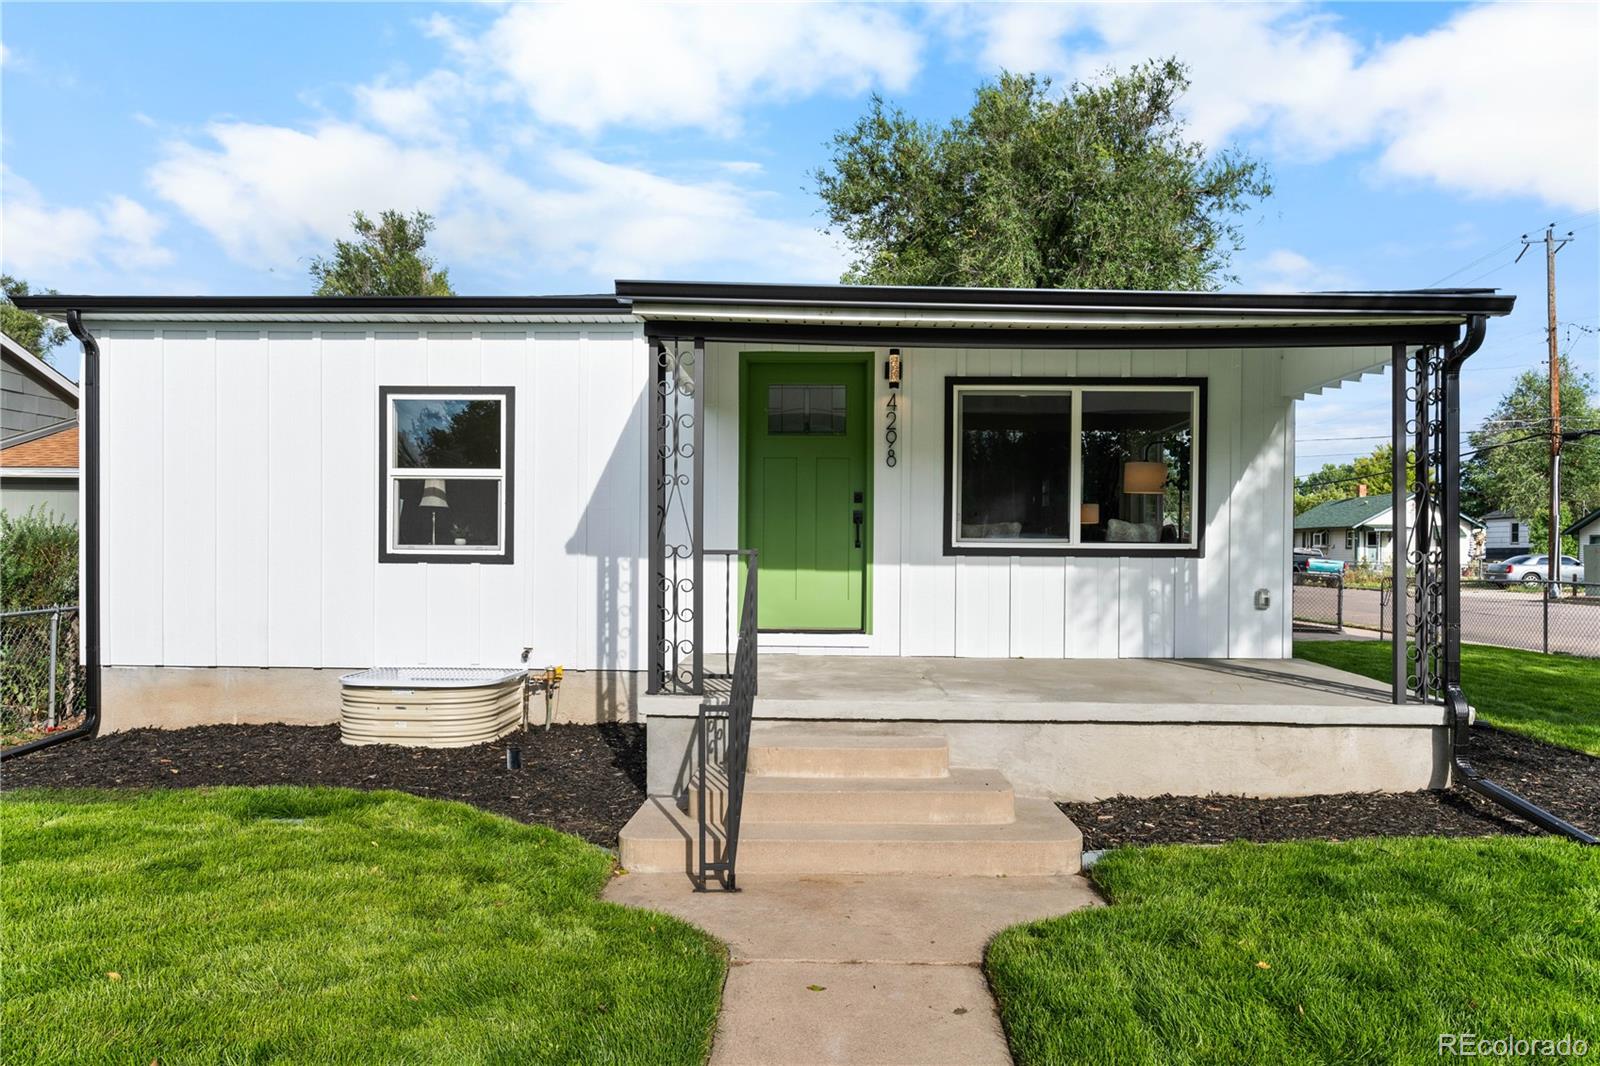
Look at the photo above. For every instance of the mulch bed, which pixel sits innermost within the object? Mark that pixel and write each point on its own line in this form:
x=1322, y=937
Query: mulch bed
x=1562, y=781
x=589, y=780
x=584, y=780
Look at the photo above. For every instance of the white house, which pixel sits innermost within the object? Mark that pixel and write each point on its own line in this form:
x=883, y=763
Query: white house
x=1359, y=529
x=1504, y=535
x=939, y=484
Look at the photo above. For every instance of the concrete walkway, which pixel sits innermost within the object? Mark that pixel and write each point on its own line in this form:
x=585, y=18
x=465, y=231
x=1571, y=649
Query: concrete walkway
x=869, y=971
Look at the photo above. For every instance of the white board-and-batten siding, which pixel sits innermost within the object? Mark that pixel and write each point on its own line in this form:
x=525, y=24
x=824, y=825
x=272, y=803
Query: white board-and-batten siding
x=240, y=499
x=240, y=505
x=925, y=603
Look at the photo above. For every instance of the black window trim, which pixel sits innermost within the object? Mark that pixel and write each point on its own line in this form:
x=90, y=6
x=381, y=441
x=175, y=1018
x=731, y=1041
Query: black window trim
x=500, y=558
x=1101, y=550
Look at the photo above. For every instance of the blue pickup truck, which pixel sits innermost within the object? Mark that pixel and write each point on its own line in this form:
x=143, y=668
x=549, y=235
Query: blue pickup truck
x=1310, y=561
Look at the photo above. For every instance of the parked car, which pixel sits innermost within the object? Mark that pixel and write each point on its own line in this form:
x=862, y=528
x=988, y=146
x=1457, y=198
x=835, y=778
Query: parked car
x=1311, y=561
x=1530, y=570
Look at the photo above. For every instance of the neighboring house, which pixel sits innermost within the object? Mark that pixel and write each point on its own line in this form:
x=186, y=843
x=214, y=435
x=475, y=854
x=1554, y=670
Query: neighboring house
x=1504, y=535
x=1360, y=529
x=1586, y=531
x=40, y=470
x=1076, y=504
x=38, y=434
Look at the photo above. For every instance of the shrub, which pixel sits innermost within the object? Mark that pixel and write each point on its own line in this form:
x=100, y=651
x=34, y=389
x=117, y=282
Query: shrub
x=38, y=561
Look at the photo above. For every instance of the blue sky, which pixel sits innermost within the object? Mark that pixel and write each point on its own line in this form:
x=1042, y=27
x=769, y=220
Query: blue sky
x=215, y=148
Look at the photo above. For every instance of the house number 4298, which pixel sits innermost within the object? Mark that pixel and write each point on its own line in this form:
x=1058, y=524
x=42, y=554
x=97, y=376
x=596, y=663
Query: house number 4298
x=891, y=415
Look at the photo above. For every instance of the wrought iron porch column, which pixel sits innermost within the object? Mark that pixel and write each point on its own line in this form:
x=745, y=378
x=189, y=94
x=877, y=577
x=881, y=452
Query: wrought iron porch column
x=1397, y=539
x=655, y=658
x=697, y=530
x=677, y=517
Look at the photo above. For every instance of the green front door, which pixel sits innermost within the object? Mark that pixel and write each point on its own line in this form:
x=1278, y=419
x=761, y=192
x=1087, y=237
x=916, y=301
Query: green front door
x=807, y=500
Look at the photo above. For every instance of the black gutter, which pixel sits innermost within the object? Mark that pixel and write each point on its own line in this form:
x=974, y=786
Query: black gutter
x=483, y=305
x=1456, y=705
x=1317, y=336
x=1456, y=302
x=89, y=537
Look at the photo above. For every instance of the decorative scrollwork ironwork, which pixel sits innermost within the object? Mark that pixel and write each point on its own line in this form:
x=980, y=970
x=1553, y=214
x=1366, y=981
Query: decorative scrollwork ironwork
x=675, y=564
x=1426, y=549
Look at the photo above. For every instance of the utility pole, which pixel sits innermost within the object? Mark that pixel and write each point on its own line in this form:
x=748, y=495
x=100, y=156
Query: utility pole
x=1551, y=247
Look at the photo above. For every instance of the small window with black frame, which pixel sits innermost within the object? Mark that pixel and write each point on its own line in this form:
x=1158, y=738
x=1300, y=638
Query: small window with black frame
x=1137, y=461
x=447, y=472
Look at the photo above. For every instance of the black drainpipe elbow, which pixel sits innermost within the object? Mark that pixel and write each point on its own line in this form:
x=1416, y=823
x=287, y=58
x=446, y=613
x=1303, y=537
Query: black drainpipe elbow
x=88, y=544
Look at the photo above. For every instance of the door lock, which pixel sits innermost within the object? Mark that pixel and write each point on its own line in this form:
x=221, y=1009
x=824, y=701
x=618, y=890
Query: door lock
x=858, y=516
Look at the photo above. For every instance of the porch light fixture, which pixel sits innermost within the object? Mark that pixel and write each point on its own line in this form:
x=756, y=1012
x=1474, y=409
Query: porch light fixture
x=891, y=369
x=433, y=498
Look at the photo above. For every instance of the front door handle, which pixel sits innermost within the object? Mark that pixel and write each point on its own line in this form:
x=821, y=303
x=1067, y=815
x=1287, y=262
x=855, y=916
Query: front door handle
x=858, y=516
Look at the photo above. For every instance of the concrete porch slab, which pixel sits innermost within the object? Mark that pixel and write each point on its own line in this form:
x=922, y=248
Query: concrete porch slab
x=1251, y=691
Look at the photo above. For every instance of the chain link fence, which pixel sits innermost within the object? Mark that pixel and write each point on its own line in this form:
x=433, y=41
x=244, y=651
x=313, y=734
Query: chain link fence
x=1549, y=617
x=41, y=679
x=1319, y=602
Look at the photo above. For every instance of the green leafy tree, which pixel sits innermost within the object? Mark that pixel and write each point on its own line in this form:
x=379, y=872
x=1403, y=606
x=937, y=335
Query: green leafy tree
x=1097, y=187
x=1511, y=468
x=1340, y=481
x=34, y=332
x=385, y=259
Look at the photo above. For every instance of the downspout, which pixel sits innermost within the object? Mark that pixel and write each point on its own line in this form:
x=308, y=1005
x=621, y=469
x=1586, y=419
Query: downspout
x=1456, y=706
x=89, y=545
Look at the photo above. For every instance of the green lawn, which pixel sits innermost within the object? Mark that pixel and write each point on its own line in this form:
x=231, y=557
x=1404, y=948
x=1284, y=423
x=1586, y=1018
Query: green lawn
x=323, y=925
x=1358, y=952
x=1547, y=697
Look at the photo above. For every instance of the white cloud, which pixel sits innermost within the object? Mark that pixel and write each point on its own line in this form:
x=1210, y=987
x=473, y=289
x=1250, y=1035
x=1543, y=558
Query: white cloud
x=419, y=110
x=587, y=66
x=1475, y=104
x=270, y=196
x=268, y=193
x=41, y=240
x=1286, y=270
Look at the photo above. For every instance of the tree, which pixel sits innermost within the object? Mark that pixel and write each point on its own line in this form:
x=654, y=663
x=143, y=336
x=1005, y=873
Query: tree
x=1510, y=470
x=385, y=259
x=1340, y=481
x=1094, y=188
x=34, y=332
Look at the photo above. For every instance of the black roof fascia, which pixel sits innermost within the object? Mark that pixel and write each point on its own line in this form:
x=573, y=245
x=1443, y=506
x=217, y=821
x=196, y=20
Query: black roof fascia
x=990, y=337
x=486, y=305
x=1416, y=301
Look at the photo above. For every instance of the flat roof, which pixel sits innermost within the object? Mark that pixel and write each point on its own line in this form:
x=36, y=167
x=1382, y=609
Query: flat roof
x=629, y=293
x=875, y=315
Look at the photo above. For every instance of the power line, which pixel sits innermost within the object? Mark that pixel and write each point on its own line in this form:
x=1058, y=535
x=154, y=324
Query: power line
x=1569, y=435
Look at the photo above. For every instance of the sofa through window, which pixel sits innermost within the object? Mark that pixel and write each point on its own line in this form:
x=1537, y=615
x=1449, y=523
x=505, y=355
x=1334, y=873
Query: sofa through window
x=1057, y=466
x=447, y=471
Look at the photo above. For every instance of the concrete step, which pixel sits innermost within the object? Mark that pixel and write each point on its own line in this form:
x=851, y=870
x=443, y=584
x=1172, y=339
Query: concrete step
x=660, y=838
x=809, y=754
x=965, y=797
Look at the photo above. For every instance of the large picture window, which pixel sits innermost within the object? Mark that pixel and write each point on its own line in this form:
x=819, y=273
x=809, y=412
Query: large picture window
x=1069, y=466
x=446, y=478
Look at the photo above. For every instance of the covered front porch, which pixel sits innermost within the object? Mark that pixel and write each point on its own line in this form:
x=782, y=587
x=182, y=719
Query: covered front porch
x=1085, y=729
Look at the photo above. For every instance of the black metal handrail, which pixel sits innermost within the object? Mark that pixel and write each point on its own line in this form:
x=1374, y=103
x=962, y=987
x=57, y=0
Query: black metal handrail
x=734, y=716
